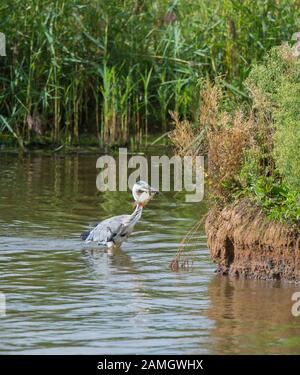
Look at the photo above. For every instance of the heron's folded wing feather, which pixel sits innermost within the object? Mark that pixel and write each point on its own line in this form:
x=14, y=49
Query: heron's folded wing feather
x=108, y=229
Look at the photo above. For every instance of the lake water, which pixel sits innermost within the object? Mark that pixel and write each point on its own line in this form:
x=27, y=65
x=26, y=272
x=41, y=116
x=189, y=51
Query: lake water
x=64, y=298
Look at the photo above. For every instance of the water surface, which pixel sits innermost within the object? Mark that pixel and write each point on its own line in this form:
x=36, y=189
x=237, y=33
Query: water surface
x=64, y=298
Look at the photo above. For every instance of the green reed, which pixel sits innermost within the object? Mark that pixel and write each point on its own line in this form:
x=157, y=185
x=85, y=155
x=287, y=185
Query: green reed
x=112, y=70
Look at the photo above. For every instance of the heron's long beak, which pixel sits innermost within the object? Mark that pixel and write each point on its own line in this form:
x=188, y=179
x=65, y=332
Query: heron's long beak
x=154, y=191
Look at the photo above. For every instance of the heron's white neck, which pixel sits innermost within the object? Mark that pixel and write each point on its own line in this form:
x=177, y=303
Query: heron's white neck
x=134, y=192
x=137, y=213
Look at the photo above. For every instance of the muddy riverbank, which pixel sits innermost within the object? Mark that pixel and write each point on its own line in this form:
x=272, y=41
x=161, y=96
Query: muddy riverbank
x=244, y=242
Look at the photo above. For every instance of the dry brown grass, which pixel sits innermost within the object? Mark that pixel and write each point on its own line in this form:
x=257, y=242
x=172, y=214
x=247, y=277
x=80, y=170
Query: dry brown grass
x=263, y=128
x=226, y=148
x=181, y=261
x=222, y=136
x=209, y=106
x=182, y=136
x=189, y=141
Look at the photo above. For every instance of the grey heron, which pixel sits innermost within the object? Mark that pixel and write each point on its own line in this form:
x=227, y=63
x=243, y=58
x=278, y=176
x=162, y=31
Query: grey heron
x=115, y=230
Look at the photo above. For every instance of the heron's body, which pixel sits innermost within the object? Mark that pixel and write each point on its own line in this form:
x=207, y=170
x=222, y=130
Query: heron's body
x=113, y=231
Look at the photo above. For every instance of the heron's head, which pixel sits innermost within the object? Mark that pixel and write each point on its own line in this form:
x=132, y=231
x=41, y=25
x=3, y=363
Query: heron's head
x=143, y=192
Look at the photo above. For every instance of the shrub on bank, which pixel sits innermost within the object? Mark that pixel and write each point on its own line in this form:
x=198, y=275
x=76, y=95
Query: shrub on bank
x=254, y=150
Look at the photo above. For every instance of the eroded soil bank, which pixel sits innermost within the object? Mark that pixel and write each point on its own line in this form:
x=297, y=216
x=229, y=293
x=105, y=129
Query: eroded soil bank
x=244, y=242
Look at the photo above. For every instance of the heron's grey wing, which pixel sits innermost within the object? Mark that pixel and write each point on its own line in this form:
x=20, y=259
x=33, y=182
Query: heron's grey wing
x=108, y=229
x=84, y=235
